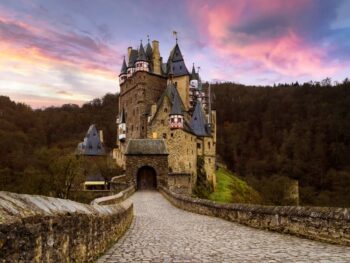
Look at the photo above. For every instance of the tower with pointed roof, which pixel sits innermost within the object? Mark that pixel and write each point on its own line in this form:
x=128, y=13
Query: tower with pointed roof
x=164, y=102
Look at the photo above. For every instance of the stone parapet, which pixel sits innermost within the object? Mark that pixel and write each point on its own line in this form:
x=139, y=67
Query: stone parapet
x=325, y=224
x=45, y=229
x=114, y=199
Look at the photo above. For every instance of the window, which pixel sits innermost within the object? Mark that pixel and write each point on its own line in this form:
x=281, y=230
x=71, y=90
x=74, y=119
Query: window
x=172, y=135
x=208, y=145
x=189, y=164
x=164, y=135
x=143, y=127
x=198, y=145
x=209, y=160
x=132, y=127
x=180, y=67
x=165, y=110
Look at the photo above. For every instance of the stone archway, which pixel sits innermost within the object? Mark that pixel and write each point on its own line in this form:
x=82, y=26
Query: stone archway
x=146, y=178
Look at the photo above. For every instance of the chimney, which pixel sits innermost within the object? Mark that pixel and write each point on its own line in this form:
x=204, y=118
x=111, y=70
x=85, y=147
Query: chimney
x=129, y=52
x=100, y=132
x=156, y=57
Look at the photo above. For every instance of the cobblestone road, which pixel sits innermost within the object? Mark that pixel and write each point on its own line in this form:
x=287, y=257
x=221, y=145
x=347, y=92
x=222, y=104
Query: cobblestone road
x=161, y=232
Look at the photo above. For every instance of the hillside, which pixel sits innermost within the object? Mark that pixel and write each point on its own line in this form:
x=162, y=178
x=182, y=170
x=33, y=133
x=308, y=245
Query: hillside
x=231, y=189
x=302, y=132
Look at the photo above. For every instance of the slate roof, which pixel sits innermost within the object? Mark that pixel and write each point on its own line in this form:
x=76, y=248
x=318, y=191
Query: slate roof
x=194, y=75
x=198, y=123
x=142, y=55
x=146, y=147
x=124, y=67
x=91, y=145
x=177, y=62
x=149, y=51
x=132, y=58
x=176, y=109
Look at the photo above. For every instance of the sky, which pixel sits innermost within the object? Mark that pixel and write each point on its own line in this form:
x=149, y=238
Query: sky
x=54, y=52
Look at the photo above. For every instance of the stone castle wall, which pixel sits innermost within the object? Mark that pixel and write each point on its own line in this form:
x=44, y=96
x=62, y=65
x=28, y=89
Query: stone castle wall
x=158, y=162
x=45, y=229
x=318, y=223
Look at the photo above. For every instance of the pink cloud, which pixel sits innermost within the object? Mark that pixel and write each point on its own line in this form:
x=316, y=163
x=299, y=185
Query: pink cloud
x=262, y=34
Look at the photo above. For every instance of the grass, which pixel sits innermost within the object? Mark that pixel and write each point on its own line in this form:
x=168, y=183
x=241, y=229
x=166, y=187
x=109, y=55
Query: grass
x=231, y=189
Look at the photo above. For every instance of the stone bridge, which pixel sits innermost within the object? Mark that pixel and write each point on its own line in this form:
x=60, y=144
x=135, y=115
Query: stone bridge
x=55, y=230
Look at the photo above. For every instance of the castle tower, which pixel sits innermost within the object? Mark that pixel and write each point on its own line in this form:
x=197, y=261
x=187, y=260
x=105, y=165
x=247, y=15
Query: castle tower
x=176, y=116
x=141, y=63
x=193, y=89
x=133, y=54
x=176, y=63
x=123, y=73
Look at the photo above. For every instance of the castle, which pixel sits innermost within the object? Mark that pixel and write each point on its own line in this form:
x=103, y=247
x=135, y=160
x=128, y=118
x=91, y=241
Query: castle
x=166, y=126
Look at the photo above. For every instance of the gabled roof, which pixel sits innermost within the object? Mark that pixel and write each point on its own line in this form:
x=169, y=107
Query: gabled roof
x=124, y=67
x=132, y=58
x=146, y=147
x=198, y=122
x=142, y=55
x=92, y=144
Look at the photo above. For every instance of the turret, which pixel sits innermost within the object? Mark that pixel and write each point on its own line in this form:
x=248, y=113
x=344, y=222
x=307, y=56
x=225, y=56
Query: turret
x=141, y=63
x=123, y=73
x=176, y=116
x=194, y=78
x=121, y=126
x=133, y=54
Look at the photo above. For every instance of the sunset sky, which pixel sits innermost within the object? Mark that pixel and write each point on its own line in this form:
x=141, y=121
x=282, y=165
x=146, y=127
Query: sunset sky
x=70, y=51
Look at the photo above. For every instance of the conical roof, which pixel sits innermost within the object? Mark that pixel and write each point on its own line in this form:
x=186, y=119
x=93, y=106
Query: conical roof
x=193, y=74
x=149, y=51
x=124, y=68
x=177, y=105
x=92, y=144
x=198, y=122
x=142, y=54
x=179, y=68
x=132, y=58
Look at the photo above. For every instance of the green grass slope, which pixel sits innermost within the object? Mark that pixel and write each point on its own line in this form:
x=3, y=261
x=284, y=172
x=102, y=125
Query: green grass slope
x=230, y=189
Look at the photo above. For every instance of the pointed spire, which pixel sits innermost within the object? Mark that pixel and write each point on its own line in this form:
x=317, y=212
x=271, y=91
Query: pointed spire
x=170, y=70
x=176, y=108
x=193, y=74
x=142, y=54
x=198, y=122
x=149, y=52
x=124, y=67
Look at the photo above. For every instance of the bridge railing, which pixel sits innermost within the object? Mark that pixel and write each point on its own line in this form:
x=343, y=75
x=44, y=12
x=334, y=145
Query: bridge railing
x=45, y=229
x=326, y=224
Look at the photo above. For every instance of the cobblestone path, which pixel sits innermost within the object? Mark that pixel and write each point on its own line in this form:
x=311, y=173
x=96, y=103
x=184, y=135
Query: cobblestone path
x=161, y=232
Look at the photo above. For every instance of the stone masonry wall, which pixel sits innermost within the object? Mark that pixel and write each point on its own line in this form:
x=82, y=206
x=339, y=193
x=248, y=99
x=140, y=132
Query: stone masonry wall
x=45, y=229
x=318, y=223
x=158, y=162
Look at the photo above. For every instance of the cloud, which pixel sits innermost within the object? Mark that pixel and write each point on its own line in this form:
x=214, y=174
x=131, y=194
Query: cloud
x=288, y=38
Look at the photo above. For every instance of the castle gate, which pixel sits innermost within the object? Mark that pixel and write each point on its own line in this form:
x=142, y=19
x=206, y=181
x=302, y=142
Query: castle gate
x=146, y=163
x=146, y=178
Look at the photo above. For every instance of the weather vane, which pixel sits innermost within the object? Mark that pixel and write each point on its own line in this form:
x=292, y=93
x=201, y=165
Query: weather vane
x=175, y=35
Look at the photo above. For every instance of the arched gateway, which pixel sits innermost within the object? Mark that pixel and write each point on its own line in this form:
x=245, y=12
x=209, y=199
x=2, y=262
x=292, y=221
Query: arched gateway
x=146, y=163
x=146, y=178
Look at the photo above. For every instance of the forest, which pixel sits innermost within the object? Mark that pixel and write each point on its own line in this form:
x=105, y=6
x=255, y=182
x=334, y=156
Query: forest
x=37, y=146
x=266, y=135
